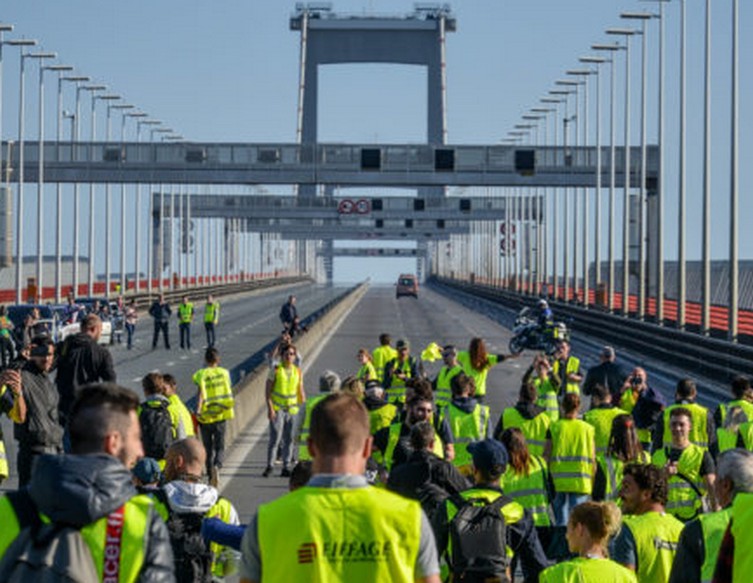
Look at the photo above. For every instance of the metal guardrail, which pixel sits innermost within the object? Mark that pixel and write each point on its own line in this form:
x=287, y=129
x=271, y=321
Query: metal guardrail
x=714, y=359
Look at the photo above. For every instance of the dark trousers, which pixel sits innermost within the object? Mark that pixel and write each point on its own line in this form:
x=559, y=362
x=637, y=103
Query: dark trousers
x=130, y=329
x=185, y=334
x=213, y=437
x=209, y=326
x=161, y=326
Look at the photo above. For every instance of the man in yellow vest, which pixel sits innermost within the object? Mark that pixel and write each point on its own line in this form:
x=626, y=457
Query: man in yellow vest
x=285, y=397
x=381, y=413
x=442, y=383
x=91, y=490
x=530, y=418
x=742, y=394
x=211, y=319
x=214, y=408
x=701, y=538
x=186, y=497
x=690, y=467
x=185, y=319
x=490, y=459
x=702, y=432
x=601, y=415
x=382, y=354
x=468, y=419
x=400, y=370
x=329, y=383
x=648, y=539
x=338, y=528
x=566, y=369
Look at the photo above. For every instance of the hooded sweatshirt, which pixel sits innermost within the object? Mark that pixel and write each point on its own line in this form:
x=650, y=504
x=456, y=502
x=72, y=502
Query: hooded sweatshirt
x=80, y=489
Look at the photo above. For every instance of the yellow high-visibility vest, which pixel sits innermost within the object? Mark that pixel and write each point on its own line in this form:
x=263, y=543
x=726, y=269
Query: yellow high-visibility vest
x=682, y=500
x=217, y=394
x=185, y=313
x=466, y=428
x=582, y=569
x=656, y=537
x=601, y=419
x=535, y=429
x=530, y=490
x=285, y=388
x=572, y=461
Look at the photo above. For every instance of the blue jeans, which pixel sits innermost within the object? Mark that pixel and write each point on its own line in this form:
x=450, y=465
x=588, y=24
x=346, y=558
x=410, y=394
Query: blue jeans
x=129, y=332
x=563, y=504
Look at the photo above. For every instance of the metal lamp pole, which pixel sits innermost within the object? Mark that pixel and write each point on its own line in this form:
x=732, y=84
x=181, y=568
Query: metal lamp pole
x=734, y=175
x=137, y=211
x=123, y=280
x=566, y=120
x=108, y=203
x=161, y=267
x=554, y=238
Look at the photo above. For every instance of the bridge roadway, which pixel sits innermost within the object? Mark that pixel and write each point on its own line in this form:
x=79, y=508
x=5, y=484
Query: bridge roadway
x=433, y=317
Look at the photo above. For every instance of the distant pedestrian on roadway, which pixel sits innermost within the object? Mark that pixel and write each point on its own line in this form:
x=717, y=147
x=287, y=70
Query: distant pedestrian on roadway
x=211, y=319
x=185, y=319
x=161, y=311
x=288, y=314
x=131, y=317
x=607, y=373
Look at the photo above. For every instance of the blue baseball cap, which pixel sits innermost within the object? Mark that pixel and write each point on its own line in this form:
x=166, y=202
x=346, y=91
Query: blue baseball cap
x=487, y=454
x=147, y=470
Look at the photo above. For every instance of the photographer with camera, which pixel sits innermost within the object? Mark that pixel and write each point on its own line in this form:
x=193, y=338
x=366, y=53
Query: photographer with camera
x=644, y=403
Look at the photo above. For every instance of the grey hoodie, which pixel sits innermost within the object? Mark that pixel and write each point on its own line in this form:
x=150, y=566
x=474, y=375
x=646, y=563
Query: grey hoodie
x=80, y=489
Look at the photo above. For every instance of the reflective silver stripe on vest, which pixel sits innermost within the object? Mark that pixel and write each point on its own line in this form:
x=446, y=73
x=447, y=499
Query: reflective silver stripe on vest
x=540, y=442
x=564, y=475
x=671, y=504
x=282, y=396
x=612, y=478
x=529, y=492
x=683, y=485
x=571, y=458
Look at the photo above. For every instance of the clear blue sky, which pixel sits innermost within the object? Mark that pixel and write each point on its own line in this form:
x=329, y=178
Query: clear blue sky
x=228, y=71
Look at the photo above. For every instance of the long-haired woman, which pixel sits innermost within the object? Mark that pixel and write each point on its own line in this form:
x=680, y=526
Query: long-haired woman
x=476, y=362
x=624, y=447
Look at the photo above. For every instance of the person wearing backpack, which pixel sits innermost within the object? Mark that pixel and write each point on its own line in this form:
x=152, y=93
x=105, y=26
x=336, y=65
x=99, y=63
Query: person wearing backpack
x=185, y=501
x=480, y=530
x=99, y=527
x=158, y=426
x=214, y=407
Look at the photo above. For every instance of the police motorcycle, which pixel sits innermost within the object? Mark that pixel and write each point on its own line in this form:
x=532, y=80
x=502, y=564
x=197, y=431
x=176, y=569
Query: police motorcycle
x=528, y=335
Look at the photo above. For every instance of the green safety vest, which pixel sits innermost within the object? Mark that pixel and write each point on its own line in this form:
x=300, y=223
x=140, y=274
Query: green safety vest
x=466, y=428
x=394, y=439
x=713, y=526
x=185, y=313
x=726, y=439
x=136, y=518
x=479, y=376
x=180, y=415
x=746, y=432
x=571, y=366
x=699, y=431
x=396, y=390
x=380, y=357
x=303, y=434
x=217, y=392
x=572, y=461
x=223, y=560
x=285, y=389
x=613, y=467
x=627, y=402
x=212, y=313
x=382, y=417
x=535, y=429
x=741, y=527
x=656, y=537
x=582, y=570
x=601, y=419
x=682, y=500
x=369, y=535
x=367, y=372
x=547, y=397
x=746, y=406
x=529, y=490
x=443, y=392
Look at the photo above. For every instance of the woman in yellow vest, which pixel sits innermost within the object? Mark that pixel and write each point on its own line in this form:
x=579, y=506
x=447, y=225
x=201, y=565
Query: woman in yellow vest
x=285, y=396
x=527, y=481
x=624, y=447
x=589, y=528
x=530, y=418
x=477, y=362
x=367, y=372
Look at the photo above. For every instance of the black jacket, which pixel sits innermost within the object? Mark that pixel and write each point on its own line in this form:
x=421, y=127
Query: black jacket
x=80, y=489
x=42, y=428
x=609, y=374
x=424, y=467
x=80, y=361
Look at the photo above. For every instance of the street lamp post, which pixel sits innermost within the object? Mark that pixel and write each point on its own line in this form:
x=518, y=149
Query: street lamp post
x=123, y=282
x=161, y=266
x=544, y=219
x=108, y=201
x=6, y=211
x=627, y=33
x=706, y=220
x=60, y=69
x=138, y=212
x=554, y=238
x=59, y=187
x=734, y=176
x=612, y=167
x=21, y=115
x=535, y=284
x=525, y=218
x=91, y=188
x=566, y=120
x=597, y=198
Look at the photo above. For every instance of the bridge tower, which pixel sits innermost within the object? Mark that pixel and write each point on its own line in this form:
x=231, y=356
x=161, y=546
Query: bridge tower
x=413, y=39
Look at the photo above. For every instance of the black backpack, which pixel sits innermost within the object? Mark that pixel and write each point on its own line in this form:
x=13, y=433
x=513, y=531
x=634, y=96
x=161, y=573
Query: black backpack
x=45, y=552
x=156, y=429
x=193, y=558
x=478, y=535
